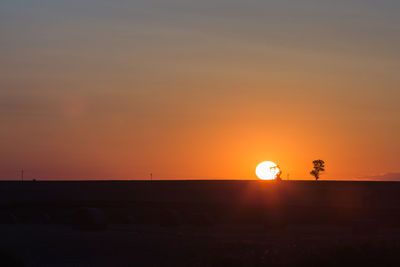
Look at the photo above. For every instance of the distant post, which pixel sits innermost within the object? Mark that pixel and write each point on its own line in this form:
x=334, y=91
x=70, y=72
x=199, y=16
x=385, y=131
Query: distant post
x=151, y=177
x=22, y=175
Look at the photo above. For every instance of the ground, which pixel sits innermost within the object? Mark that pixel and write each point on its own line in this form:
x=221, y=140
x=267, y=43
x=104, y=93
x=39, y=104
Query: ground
x=220, y=245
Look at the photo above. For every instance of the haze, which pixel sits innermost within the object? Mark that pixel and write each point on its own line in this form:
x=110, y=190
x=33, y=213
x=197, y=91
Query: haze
x=199, y=89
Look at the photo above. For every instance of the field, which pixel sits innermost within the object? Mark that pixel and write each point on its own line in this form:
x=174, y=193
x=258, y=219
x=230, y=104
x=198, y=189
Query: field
x=199, y=223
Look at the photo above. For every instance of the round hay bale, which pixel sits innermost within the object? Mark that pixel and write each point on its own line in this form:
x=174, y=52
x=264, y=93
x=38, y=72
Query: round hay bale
x=7, y=258
x=275, y=220
x=365, y=226
x=170, y=218
x=40, y=218
x=201, y=219
x=131, y=219
x=89, y=219
x=8, y=218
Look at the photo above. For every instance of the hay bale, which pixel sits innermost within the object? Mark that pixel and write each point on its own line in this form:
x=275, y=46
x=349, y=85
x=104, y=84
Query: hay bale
x=40, y=218
x=129, y=219
x=201, y=219
x=275, y=220
x=365, y=226
x=132, y=219
x=8, y=259
x=12, y=218
x=170, y=218
x=89, y=219
x=8, y=218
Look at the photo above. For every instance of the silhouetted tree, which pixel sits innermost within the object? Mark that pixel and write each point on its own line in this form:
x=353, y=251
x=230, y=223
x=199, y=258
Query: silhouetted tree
x=319, y=166
x=278, y=174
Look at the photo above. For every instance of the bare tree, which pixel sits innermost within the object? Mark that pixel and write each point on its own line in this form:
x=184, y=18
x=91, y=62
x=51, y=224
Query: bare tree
x=319, y=166
x=278, y=173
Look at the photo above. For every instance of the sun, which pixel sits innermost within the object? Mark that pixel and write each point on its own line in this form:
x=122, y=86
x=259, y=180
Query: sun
x=267, y=170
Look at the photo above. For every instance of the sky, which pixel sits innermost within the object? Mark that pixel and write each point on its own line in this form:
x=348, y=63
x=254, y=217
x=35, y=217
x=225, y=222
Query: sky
x=199, y=89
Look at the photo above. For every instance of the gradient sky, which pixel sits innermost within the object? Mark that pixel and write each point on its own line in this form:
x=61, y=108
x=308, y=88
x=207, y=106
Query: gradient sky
x=199, y=89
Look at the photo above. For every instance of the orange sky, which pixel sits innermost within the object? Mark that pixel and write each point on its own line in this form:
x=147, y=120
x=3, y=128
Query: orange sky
x=207, y=89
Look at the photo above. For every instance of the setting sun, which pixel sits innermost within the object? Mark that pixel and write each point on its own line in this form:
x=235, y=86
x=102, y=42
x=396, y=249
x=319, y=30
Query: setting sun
x=267, y=170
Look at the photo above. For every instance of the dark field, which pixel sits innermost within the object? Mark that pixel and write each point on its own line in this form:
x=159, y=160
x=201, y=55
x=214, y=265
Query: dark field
x=199, y=223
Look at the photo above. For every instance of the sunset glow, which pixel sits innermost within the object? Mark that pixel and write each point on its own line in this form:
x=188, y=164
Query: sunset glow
x=112, y=92
x=267, y=170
